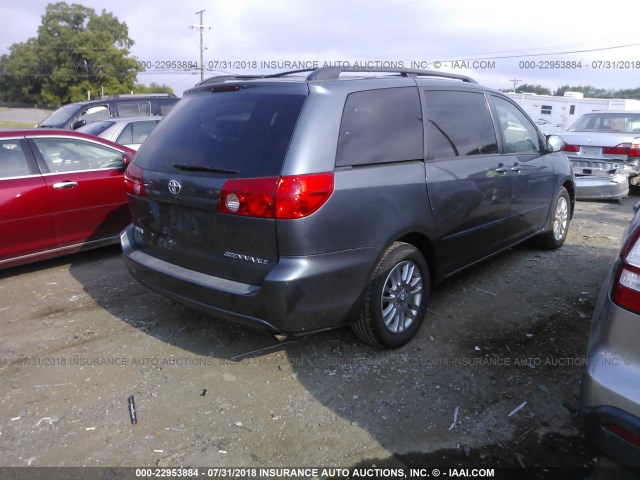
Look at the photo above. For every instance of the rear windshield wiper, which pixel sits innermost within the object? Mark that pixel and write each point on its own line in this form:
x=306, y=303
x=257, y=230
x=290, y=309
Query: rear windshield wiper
x=201, y=168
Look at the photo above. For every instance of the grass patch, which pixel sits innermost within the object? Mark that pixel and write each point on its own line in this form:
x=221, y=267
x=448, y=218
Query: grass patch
x=10, y=124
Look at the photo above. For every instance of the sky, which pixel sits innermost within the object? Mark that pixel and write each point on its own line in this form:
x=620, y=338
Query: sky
x=497, y=42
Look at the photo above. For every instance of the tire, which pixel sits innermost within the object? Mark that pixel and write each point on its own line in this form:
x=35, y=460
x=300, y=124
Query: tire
x=396, y=298
x=558, y=224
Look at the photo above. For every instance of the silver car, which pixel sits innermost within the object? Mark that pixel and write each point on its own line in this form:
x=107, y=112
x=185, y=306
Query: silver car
x=130, y=132
x=610, y=398
x=604, y=149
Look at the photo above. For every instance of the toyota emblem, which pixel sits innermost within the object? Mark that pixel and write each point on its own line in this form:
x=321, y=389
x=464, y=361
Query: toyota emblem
x=174, y=187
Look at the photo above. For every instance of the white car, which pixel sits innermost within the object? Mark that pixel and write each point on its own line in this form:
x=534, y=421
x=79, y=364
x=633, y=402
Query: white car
x=604, y=150
x=130, y=132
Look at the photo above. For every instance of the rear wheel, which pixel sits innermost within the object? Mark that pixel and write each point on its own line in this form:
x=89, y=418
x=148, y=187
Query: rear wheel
x=396, y=298
x=558, y=226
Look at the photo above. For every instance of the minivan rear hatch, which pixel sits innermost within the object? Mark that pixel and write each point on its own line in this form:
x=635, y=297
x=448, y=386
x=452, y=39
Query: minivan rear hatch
x=228, y=133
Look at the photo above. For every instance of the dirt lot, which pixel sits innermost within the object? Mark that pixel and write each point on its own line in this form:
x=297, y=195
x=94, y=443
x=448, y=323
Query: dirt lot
x=79, y=337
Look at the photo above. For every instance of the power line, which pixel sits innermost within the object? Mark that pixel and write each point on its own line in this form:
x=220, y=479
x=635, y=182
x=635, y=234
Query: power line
x=201, y=27
x=515, y=81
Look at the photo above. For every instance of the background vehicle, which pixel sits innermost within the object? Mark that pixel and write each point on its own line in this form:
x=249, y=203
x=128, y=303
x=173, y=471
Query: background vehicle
x=611, y=385
x=298, y=203
x=60, y=192
x=604, y=149
x=130, y=132
x=76, y=115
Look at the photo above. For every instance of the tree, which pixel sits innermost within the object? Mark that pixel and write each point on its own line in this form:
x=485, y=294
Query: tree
x=153, y=88
x=537, y=89
x=588, y=91
x=76, y=51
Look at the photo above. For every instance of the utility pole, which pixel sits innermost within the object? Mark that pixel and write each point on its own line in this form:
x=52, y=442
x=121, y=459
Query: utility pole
x=201, y=27
x=515, y=81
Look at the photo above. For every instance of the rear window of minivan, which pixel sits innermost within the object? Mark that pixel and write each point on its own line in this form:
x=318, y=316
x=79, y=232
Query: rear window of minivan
x=246, y=131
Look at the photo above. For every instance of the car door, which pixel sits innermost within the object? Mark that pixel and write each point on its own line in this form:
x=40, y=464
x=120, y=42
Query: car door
x=530, y=170
x=26, y=213
x=468, y=184
x=85, y=181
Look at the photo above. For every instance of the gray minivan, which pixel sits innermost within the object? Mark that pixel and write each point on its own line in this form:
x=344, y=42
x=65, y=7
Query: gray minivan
x=307, y=200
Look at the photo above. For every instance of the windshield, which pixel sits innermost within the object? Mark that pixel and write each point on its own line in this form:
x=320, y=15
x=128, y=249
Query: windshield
x=95, y=128
x=60, y=116
x=618, y=122
x=242, y=131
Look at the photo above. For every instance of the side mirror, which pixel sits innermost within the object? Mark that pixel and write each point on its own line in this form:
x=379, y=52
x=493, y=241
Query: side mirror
x=77, y=124
x=554, y=143
x=127, y=158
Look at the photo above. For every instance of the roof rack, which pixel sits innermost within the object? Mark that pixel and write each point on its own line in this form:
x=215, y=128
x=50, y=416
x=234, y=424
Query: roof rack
x=333, y=73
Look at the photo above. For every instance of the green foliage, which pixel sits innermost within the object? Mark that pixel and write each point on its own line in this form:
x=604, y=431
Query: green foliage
x=633, y=93
x=537, y=89
x=153, y=88
x=588, y=91
x=75, y=51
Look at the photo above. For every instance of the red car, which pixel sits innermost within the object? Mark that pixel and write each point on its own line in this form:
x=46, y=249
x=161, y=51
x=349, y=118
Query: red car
x=60, y=192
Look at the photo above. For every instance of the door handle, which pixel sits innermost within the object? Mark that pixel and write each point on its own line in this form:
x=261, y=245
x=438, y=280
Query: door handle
x=502, y=169
x=65, y=185
x=516, y=168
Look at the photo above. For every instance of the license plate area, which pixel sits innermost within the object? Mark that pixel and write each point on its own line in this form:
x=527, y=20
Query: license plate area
x=186, y=223
x=592, y=151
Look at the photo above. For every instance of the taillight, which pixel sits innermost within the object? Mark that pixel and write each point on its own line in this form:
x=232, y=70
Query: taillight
x=251, y=197
x=623, y=433
x=289, y=197
x=134, y=181
x=571, y=148
x=626, y=289
x=628, y=149
x=301, y=195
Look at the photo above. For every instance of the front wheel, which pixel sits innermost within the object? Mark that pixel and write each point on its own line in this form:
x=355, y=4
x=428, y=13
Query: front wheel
x=558, y=226
x=396, y=298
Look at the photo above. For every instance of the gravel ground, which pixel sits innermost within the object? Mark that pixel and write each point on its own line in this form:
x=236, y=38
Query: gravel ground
x=492, y=379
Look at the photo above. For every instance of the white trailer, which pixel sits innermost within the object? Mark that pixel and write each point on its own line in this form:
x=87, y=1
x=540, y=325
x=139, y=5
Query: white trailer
x=556, y=114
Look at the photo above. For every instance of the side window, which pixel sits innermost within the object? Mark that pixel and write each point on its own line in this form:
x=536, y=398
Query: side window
x=134, y=109
x=98, y=112
x=166, y=107
x=141, y=130
x=459, y=124
x=126, y=137
x=67, y=154
x=380, y=126
x=520, y=135
x=13, y=162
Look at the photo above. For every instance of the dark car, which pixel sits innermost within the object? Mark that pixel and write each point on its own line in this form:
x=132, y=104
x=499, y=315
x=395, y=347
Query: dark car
x=611, y=385
x=60, y=192
x=303, y=202
x=76, y=115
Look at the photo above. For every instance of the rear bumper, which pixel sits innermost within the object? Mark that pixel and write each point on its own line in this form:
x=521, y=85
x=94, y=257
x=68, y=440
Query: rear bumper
x=602, y=187
x=610, y=393
x=612, y=445
x=300, y=295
